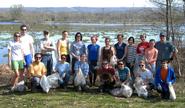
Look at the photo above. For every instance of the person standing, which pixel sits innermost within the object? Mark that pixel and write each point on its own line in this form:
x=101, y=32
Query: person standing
x=120, y=48
x=107, y=51
x=77, y=48
x=151, y=56
x=16, y=58
x=63, y=47
x=131, y=56
x=93, y=58
x=166, y=51
x=47, y=47
x=28, y=48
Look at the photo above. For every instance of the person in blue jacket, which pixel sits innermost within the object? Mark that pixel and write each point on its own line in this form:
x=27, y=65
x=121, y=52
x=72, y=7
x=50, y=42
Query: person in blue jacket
x=165, y=77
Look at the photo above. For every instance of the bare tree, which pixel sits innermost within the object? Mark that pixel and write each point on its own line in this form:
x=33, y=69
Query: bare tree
x=16, y=11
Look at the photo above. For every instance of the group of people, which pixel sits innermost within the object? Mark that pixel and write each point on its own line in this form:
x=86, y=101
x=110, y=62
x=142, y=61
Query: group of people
x=111, y=64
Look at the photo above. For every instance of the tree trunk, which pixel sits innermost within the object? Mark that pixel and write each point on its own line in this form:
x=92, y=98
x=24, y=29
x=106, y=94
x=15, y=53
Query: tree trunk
x=171, y=21
x=167, y=21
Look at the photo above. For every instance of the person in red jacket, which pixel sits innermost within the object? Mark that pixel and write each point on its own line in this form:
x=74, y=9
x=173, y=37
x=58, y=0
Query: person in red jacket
x=107, y=77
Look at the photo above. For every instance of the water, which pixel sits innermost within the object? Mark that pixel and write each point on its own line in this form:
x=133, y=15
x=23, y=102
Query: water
x=151, y=32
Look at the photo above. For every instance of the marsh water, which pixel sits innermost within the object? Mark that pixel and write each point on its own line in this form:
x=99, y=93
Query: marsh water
x=102, y=30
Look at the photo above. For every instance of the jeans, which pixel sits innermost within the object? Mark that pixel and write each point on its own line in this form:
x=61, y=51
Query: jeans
x=48, y=62
x=92, y=72
x=35, y=83
x=65, y=80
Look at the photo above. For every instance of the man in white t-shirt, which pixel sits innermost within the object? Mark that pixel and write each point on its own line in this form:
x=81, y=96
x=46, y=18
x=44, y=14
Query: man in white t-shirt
x=28, y=49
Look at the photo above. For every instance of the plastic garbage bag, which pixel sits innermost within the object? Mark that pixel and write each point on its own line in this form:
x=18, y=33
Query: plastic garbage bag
x=20, y=87
x=45, y=84
x=124, y=91
x=113, y=60
x=79, y=78
x=172, y=92
x=53, y=80
x=140, y=88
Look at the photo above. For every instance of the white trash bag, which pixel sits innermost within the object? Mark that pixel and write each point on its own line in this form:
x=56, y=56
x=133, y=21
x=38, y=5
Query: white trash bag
x=20, y=87
x=79, y=78
x=140, y=88
x=53, y=80
x=45, y=84
x=172, y=92
x=113, y=60
x=126, y=90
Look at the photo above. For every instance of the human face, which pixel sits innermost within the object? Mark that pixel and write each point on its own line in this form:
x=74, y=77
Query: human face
x=38, y=58
x=142, y=65
x=121, y=65
x=120, y=39
x=78, y=38
x=107, y=42
x=83, y=58
x=93, y=40
x=23, y=30
x=105, y=65
x=130, y=42
x=162, y=38
x=65, y=35
x=142, y=38
x=63, y=58
x=164, y=64
x=17, y=37
x=152, y=44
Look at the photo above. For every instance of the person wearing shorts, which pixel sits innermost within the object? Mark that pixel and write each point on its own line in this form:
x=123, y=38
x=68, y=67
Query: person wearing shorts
x=16, y=58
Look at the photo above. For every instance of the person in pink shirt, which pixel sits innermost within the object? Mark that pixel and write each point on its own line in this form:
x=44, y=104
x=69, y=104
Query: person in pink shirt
x=151, y=56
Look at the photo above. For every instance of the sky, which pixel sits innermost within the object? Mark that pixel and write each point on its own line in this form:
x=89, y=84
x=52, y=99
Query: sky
x=77, y=3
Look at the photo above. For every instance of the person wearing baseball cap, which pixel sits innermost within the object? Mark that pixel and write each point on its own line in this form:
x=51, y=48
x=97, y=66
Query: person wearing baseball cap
x=166, y=50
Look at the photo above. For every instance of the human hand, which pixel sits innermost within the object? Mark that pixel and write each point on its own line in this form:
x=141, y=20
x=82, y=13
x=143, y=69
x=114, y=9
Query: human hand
x=159, y=87
x=169, y=83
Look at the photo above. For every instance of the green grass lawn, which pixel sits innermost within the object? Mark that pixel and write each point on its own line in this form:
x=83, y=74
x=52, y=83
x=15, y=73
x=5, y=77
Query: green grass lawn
x=59, y=98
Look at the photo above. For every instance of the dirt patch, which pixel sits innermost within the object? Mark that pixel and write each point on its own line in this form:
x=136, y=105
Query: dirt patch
x=5, y=74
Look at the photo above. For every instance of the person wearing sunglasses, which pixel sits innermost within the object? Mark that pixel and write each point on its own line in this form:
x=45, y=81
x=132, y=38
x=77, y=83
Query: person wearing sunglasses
x=16, y=58
x=107, y=77
x=36, y=70
x=123, y=72
x=28, y=48
x=146, y=75
x=63, y=68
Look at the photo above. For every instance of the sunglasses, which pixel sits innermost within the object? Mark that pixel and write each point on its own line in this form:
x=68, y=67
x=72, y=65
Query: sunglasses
x=141, y=65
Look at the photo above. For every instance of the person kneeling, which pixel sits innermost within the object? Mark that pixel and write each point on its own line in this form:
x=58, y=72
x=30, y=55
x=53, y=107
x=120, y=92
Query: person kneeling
x=107, y=77
x=164, y=79
x=81, y=73
x=63, y=68
x=36, y=70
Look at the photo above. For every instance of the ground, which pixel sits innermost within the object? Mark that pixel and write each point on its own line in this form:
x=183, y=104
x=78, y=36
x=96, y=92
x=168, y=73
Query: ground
x=59, y=98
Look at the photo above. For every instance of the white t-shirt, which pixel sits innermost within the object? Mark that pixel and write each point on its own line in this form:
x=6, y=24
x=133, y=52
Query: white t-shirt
x=26, y=40
x=16, y=50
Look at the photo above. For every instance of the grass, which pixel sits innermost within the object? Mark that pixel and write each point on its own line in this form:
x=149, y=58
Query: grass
x=58, y=98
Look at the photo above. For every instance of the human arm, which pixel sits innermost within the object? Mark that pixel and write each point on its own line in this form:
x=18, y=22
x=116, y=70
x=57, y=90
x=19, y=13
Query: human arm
x=58, y=50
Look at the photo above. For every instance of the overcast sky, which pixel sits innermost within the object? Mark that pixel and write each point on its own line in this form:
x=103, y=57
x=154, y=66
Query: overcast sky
x=76, y=3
